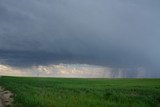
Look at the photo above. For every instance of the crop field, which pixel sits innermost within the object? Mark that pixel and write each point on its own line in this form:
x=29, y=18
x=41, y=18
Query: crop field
x=72, y=92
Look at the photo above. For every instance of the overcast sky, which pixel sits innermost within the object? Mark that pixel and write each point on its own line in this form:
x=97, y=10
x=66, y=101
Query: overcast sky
x=121, y=34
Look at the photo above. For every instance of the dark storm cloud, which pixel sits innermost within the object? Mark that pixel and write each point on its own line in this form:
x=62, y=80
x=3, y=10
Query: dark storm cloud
x=118, y=33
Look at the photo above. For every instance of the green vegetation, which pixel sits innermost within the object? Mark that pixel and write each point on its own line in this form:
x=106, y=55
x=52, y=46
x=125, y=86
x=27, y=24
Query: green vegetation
x=63, y=92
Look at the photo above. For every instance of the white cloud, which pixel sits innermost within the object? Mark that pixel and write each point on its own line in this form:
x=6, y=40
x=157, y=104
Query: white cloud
x=72, y=70
x=60, y=70
x=10, y=71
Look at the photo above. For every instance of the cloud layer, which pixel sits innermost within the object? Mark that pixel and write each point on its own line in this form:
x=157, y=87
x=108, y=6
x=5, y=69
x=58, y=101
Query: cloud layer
x=113, y=33
x=73, y=70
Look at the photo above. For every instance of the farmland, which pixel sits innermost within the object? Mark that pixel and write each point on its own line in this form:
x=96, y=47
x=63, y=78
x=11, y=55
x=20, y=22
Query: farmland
x=80, y=92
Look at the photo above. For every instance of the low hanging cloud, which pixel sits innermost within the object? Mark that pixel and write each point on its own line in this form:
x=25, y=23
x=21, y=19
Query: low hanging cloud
x=72, y=70
x=61, y=70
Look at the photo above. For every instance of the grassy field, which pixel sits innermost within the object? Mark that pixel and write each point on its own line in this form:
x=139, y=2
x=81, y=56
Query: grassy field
x=61, y=92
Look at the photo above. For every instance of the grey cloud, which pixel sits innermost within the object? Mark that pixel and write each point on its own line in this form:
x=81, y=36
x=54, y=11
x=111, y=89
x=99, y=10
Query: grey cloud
x=119, y=33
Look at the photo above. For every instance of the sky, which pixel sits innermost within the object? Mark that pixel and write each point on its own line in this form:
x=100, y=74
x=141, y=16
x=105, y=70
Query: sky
x=68, y=38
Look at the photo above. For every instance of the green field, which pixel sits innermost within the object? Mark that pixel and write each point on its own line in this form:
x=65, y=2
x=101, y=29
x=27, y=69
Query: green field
x=63, y=92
